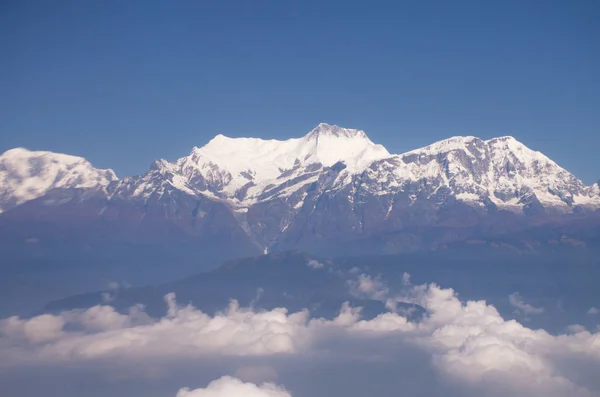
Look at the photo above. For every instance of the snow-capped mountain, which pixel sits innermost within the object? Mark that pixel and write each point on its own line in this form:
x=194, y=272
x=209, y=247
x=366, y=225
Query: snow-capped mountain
x=333, y=184
x=501, y=172
x=244, y=171
x=26, y=175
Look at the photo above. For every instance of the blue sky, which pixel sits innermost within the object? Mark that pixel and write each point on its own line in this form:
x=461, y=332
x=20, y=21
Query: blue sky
x=124, y=82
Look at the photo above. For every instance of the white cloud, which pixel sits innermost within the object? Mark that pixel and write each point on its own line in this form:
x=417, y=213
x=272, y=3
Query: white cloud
x=576, y=328
x=593, y=311
x=233, y=387
x=368, y=286
x=472, y=342
x=188, y=332
x=113, y=285
x=105, y=318
x=406, y=279
x=522, y=307
x=113, y=290
x=315, y=264
x=107, y=297
x=42, y=328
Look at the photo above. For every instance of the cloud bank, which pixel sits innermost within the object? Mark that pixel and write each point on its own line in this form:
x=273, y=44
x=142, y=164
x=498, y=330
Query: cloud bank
x=469, y=342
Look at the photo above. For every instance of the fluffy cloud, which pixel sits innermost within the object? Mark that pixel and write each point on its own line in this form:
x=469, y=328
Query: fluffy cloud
x=48, y=328
x=100, y=332
x=521, y=307
x=42, y=328
x=469, y=342
x=472, y=342
x=593, y=311
x=233, y=387
x=315, y=264
x=367, y=285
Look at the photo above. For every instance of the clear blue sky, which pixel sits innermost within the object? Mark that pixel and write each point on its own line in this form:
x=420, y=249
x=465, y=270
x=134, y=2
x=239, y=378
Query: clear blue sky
x=124, y=82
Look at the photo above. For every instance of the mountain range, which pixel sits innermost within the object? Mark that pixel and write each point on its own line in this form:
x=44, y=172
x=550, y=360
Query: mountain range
x=332, y=190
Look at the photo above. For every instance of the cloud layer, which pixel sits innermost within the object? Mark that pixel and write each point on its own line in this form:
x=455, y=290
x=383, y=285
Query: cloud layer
x=469, y=342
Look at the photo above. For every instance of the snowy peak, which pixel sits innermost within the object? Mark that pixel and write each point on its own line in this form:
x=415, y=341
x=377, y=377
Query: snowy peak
x=501, y=150
x=506, y=140
x=324, y=130
x=501, y=170
x=475, y=145
x=329, y=144
x=26, y=175
x=509, y=145
x=242, y=169
x=446, y=145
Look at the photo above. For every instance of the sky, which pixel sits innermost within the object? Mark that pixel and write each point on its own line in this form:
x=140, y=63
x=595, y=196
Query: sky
x=125, y=82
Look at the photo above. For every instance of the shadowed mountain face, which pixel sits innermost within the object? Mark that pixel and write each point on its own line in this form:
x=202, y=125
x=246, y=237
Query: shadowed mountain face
x=563, y=284
x=292, y=280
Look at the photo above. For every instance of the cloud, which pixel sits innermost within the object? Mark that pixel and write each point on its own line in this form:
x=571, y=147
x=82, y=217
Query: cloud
x=406, y=279
x=576, y=328
x=315, y=264
x=184, y=331
x=522, y=307
x=233, y=387
x=259, y=293
x=472, y=342
x=593, y=311
x=113, y=290
x=469, y=342
x=369, y=286
x=107, y=297
x=42, y=328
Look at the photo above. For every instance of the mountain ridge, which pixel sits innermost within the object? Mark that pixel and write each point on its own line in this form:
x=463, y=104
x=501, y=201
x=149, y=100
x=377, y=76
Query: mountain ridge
x=242, y=171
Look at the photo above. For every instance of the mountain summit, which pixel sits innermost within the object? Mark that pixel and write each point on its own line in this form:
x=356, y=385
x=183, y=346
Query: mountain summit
x=324, y=130
x=500, y=170
x=243, y=169
x=26, y=175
